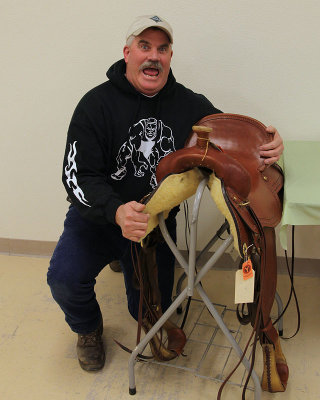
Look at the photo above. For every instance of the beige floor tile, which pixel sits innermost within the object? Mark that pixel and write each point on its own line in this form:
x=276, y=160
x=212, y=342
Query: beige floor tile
x=38, y=357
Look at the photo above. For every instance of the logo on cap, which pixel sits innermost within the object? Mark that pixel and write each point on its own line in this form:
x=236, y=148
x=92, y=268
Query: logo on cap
x=156, y=19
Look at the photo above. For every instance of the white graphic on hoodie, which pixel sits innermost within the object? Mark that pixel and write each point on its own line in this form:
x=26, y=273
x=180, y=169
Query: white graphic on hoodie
x=149, y=141
x=70, y=171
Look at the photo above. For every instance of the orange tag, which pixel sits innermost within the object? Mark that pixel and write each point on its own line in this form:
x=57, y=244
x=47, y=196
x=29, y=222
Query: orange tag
x=247, y=271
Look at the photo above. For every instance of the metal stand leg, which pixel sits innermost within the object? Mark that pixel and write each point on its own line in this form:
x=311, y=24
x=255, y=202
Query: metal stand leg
x=221, y=230
x=140, y=347
x=193, y=283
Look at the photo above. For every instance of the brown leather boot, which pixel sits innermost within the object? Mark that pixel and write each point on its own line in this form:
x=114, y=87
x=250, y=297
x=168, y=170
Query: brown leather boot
x=90, y=350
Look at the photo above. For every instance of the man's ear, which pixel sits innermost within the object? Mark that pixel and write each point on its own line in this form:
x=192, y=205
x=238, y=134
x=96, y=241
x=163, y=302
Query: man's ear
x=126, y=51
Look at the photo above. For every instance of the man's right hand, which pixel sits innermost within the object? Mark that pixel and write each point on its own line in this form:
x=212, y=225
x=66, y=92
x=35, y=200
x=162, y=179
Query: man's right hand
x=132, y=221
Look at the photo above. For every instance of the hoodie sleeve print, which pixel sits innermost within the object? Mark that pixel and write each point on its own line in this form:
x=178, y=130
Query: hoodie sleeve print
x=86, y=165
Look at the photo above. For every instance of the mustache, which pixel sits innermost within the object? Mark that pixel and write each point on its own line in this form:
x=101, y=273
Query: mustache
x=151, y=64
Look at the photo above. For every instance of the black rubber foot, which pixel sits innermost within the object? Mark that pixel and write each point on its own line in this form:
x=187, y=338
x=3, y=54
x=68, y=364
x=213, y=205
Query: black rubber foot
x=281, y=332
x=179, y=310
x=132, y=391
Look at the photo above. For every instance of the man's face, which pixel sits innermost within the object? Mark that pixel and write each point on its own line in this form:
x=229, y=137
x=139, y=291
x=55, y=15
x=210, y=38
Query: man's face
x=148, y=61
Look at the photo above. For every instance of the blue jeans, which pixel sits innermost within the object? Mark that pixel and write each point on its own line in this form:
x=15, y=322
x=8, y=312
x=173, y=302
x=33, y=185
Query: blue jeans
x=83, y=250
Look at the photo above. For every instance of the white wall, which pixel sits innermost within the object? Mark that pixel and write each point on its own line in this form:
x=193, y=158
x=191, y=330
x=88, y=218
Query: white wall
x=258, y=58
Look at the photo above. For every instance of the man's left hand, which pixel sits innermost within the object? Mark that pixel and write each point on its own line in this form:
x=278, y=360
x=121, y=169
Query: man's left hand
x=273, y=150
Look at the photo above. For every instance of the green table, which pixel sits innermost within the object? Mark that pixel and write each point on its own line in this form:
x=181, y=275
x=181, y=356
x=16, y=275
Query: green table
x=301, y=206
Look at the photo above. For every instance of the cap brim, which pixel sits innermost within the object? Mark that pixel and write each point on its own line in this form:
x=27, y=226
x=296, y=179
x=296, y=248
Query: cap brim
x=140, y=30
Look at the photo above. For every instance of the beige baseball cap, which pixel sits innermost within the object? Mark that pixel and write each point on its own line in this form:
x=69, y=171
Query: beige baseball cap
x=148, y=21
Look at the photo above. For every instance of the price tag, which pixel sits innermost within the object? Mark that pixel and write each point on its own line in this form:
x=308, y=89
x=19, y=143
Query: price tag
x=244, y=286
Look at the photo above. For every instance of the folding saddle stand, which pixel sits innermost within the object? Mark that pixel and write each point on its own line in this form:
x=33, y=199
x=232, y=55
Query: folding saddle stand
x=194, y=280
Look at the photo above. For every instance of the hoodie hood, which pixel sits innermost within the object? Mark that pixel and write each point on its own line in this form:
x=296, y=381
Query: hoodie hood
x=116, y=75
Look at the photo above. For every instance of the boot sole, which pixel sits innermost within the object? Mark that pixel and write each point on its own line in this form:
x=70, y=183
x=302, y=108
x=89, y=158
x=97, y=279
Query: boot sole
x=91, y=367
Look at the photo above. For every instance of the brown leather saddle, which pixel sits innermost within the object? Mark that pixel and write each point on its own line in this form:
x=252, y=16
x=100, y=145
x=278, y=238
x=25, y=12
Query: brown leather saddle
x=249, y=196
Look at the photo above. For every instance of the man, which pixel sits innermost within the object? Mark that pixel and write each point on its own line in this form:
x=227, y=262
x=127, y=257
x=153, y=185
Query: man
x=118, y=133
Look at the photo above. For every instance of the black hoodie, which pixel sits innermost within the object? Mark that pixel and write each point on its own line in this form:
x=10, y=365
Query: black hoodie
x=116, y=138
